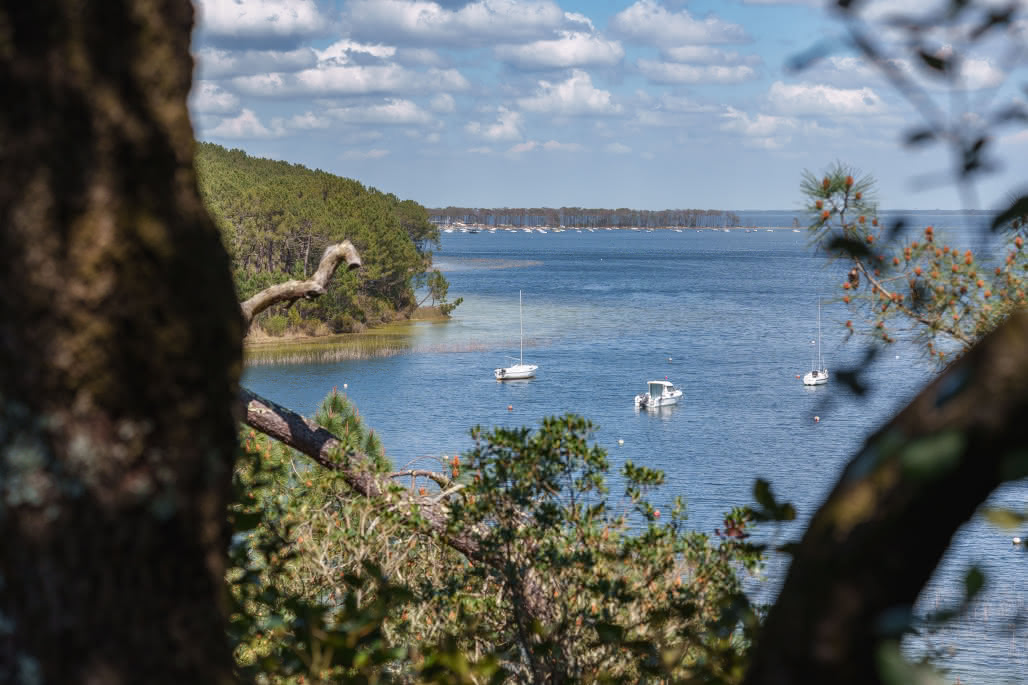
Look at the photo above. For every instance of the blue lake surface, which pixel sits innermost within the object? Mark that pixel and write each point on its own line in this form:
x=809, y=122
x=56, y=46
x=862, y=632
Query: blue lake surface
x=729, y=318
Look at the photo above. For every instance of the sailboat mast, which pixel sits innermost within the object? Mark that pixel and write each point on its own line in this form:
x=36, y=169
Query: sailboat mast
x=820, y=364
x=521, y=321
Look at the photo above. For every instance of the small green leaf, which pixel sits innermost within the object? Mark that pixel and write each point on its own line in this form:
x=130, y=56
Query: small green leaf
x=933, y=62
x=762, y=493
x=974, y=581
x=919, y=136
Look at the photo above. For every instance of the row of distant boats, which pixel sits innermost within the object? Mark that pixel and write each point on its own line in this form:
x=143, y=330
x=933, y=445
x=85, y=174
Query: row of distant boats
x=529, y=229
x=659, y=393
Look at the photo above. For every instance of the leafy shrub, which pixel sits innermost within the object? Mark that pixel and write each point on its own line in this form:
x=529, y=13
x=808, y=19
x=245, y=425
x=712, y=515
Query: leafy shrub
x=275, y=325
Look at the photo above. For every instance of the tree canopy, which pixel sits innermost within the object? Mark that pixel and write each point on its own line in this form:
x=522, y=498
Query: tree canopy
x=276, y=219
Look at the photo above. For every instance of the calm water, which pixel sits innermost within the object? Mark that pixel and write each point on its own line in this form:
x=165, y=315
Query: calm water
x=728, y=317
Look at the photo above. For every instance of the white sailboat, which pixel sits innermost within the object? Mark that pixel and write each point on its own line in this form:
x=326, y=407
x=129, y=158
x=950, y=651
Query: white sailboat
x=521, y=369
x=818, y=374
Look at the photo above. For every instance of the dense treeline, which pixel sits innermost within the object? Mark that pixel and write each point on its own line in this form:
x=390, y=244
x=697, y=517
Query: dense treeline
x=580, y=217
x=276, y=219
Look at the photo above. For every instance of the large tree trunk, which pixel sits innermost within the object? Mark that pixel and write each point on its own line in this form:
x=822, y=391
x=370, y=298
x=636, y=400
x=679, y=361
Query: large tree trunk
x=119, y=353
x=872, y=546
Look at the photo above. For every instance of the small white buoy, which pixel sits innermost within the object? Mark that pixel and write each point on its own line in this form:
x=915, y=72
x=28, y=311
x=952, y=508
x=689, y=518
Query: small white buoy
x=620, y=442
x=897, y=356
x=344, y=386
x=817, y=419
x=1017, y=541
x=669, y=358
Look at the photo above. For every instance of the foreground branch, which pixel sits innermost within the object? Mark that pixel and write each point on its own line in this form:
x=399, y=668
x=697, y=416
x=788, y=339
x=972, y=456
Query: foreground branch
x=315, y=287
x=429, y=513
x=307, y=437
x=875, y=542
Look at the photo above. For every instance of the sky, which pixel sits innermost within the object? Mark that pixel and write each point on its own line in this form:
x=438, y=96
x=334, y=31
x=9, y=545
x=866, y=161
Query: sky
x=647, y=104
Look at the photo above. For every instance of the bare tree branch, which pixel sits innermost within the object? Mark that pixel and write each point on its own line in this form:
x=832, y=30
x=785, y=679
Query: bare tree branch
x=314, y=287
x=430, y=513
x=872, y=546
x=440, y=479
x=307, y=437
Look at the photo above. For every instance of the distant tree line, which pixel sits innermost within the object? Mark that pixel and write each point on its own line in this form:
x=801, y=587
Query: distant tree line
x=277, y=218
x=580, y=217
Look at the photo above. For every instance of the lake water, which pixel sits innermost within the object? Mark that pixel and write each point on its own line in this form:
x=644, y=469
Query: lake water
x=729, y=318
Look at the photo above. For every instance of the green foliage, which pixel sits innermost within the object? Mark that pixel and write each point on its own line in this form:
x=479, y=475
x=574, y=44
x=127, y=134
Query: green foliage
x=275, y=324
x=568, y=585
x=595, y=590
x=277, y=218
x=921, y=287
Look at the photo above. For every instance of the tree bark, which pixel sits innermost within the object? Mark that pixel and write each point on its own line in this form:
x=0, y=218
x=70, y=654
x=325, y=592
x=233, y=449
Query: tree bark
x=315, y=287
x=119, y=354
x=874, y=543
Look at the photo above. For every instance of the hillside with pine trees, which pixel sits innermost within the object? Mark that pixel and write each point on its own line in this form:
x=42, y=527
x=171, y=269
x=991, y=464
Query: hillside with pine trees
x=277, y=218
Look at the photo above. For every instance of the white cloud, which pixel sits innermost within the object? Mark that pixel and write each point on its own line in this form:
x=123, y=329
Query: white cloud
x=308, y=121
x=209, y=97
x=352, y=80
x=573, y=97
x=245, y=125
x=651, y=23
x=443, y=103
x=820, y=99
x=481, y=150
x=507, y=126
x=617, y=148
x=1019, y=138
x=670, y=111
x=218, y=63
x=393, y=111
x=977, y=73
x=256, y=19
x=762, y=130
x=678, y=103
x=520, y=148
x=675, y=73
x=340, y=51
x=580, y=20
x=554, y=146
x=477, y=23
x=365, y=154
x=548, y=146
x=572, y=49
x=706, y=54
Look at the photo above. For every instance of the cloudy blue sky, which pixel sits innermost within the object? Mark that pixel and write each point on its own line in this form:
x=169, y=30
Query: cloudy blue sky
x=630, y=103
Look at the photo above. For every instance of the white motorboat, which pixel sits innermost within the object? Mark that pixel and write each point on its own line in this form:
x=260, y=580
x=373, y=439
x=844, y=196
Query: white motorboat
x=818, y=374
x=660, y=394
x=521, y=369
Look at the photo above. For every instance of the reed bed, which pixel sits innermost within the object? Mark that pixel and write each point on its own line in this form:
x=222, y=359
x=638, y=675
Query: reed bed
x=363, y=346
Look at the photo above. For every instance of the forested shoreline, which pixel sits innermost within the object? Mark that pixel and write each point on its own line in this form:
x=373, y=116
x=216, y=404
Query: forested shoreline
x=276, y=218
x=580, y=217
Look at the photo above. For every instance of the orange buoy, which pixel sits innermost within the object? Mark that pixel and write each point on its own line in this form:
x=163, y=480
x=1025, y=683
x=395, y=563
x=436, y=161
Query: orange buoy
x=797, y=375
x=817, y=419
x=510, y=407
